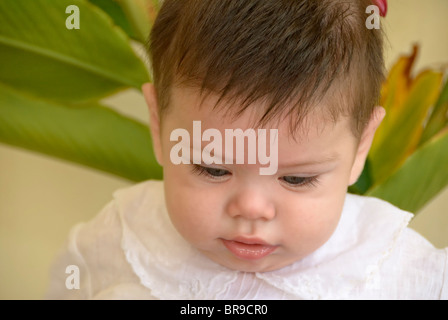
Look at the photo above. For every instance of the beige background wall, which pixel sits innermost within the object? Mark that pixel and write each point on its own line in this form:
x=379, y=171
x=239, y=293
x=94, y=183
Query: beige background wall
x=41, y=198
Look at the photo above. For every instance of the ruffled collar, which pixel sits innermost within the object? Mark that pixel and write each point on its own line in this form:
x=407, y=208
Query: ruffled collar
x=172, y=269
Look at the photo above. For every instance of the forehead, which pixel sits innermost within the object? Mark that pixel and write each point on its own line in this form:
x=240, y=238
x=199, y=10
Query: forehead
x=317, y=130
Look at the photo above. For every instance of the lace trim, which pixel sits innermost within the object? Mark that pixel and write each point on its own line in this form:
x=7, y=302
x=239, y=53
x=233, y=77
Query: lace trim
x=180, y=282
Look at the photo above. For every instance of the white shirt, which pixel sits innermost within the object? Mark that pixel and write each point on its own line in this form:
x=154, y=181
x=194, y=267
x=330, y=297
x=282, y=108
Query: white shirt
x=132, y=251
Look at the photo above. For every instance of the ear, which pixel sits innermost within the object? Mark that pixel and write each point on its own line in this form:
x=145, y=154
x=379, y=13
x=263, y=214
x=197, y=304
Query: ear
x=150, y=95
x=365, y=143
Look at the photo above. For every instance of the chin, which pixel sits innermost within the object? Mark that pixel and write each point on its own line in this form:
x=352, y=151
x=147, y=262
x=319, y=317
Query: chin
x=262, y=265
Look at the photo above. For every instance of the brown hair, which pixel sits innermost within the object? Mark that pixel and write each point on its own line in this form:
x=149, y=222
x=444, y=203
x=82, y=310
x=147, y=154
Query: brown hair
x=285, y=52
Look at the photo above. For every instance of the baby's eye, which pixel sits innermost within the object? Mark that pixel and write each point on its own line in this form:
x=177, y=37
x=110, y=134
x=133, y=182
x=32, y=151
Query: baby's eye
x=211, y=172
x=295, y=181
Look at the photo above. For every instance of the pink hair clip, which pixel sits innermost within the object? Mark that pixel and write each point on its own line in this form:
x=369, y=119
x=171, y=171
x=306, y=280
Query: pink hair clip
x=382, y=5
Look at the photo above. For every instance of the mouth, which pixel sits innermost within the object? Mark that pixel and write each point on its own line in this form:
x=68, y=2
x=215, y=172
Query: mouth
x=249, y=248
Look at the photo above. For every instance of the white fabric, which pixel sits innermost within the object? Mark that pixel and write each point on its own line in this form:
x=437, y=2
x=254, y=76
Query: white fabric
x=132, y=251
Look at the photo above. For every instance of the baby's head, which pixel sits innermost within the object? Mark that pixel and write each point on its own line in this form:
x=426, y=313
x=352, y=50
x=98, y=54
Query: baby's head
x=309, y=69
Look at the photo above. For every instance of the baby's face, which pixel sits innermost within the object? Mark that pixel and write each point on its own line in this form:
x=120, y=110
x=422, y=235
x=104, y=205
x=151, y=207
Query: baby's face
x=247, y=221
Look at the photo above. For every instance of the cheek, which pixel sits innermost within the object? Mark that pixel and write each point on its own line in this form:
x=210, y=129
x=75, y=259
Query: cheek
x=312, y=221
x=193, y=211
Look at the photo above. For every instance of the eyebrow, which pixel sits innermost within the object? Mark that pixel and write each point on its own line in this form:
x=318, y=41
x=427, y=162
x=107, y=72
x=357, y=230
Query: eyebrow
x=326, y=159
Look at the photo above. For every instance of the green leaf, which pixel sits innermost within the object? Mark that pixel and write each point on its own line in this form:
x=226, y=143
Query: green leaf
x=439, y=116
x=422, y=176
x=141, y=15
x=41, y=56
x=135, y=17
x=398, y=137
x=114, y=10
x=88, y=134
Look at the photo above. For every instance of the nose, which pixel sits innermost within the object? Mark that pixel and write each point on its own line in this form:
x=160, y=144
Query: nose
x=252, y=205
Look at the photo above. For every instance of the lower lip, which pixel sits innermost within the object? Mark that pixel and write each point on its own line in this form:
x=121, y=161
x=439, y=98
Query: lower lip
x=248, y=251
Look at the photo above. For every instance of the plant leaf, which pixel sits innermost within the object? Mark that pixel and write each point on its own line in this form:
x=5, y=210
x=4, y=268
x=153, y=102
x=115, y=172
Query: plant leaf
x=114, y=10
x=439, y=116
x=396, y=87
x=90, y=134
x=135, y=17
x=422, y=176
x=41, y=56
x=399, y=134
x=141, y=14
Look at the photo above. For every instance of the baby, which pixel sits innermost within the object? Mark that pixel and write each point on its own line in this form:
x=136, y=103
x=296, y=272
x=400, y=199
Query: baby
x=216, y=227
